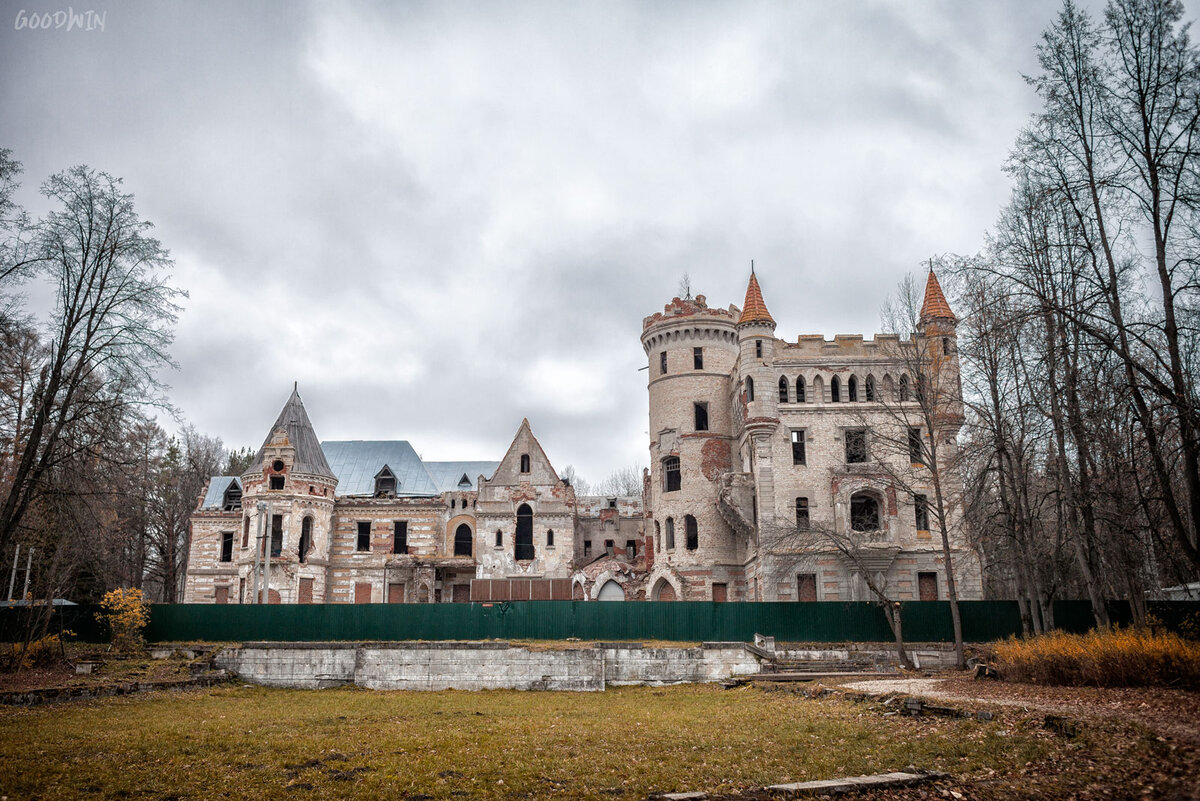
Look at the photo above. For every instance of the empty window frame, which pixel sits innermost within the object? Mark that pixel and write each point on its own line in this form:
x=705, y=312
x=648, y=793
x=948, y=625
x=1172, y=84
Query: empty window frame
x=276, y=535
x=232, y=502
x=670, y=533
x=783, y=389
x=856, y=445
x=671, y=476
x=749, y=389
x=758, y=348
x=662, y=363
x=549, y=538
x=700, y=411
x=869, y=388
x=799, y=454
x=464, y=538
x=524, y=462
x=902, y=390
x=852, y=389
x=400, y=536
x=385, y=483
x=835, y=389
x=523, y=549
x=800, y=389
x=246, y=532
x=587, y=547
x=921, y=509
x=802, y=514
x=864, y=512
x=276, y=483
x=305, y=538
x=499, y=538
x=698, y=358
x=693, y=532
x=610, y=547
x=631, y=549
x=364, y=536
x=226, y=546
x=915, y=446
x=947, y=348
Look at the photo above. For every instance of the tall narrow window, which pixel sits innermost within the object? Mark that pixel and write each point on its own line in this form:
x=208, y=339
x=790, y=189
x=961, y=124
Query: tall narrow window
x=869, y=386
x=802, y=514
x=524, y=462
x=549, y=538
x=856, y=446
x=835, y=389
x=246, y=531
x=946, y=347
x=852, y=389
x=631, y=549
x=758, y=348
x=587, y=548
x=305, y=538
x=276, y=535
x=400, y=536
x=670, y=533
x=783, y=390
x=903, y=390
x=800, y=389
x=698, y=358
x=671, y=479
x=701, y=413
x=463, y=539
x=693, y=533
x=226, y=546
x=499, y=538
x=662, y=363
x=798, y=454
x=364, y=536
x=921, y=506
x=914, y=446
x=749, y=389
x=524, y=540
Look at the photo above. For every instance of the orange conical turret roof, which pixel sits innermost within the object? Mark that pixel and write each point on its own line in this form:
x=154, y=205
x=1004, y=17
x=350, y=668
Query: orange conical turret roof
x=935, y=305
x=754, y=310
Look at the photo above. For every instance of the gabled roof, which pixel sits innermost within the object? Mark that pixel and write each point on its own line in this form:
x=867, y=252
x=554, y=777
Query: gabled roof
x=754, y=310
x=214, y=498
x=935, y=306
x=524, y=442
x=357, y=462
x=300, y=436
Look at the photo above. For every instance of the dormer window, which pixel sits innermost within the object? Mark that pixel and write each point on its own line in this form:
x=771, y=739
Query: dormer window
x=232, y=501
x=464, y=481
x=524, y=462
x=385, y=483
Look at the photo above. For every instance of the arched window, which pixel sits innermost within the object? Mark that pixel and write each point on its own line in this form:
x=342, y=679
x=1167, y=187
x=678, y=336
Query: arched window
x=864, y=512
x=549, y=538
x=463, y=539
x=524, y=462
x=800, y=389
x=524, y=541
x=783, y=390
x=499, y=538
x=611, y=591
x=749, y=389
x=903, y=391
x=818, y=390
x=835, y=389
x=852, y=389
x=671, y=478
x=657, y=536
x=663, y=591
x=870, y=388
x=305, y=537
x=693, y=533
x=670, y=533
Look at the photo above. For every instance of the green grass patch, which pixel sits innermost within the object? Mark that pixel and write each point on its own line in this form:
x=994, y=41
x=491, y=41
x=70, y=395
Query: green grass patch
x=253, y=742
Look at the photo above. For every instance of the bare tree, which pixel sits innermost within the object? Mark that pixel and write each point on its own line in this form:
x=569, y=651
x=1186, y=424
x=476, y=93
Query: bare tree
x=625, y=481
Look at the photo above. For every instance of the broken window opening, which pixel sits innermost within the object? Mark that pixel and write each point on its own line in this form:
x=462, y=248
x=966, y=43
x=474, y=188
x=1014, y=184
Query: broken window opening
x=662, y=363
x=549, y=538
x=758, y=348
x=852, y=389
x=232, y=501
x=276, y=535
x=671, y=477
x=698, y=358
x=870, y=388
x=947, y=348
x=246, y=531
x=400, y=536
x=903, y=389
x=701, y=413
x=463, y=540
x=587, y=547
x=364, y=535
x=693, y=532
x=835, y=389
x=226, y=546
x=800, y=389
x=631, y=549
x=921, y=508
x=276, y=483
x=610, y=548
x=802, y=514
x=864, y=512
x=305, y=538
x=915, y=446
x=523, y=549
x=385, y=483
x=670, y=533
x=464, y=481
x=524, y=462
x=612, y=503
x=783, y=390
x=499, y=538
x=856, y=446
x=798, y=451
x=749, y=389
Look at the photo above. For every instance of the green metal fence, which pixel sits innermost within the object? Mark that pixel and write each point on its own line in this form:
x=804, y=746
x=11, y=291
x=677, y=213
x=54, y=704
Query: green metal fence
x=924, y=621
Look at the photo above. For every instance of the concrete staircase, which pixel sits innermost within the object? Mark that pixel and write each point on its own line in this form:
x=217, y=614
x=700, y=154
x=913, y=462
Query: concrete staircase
x=776, y=666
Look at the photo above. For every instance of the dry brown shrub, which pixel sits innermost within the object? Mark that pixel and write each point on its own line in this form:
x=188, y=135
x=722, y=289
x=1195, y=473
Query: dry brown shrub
x=1119, y=658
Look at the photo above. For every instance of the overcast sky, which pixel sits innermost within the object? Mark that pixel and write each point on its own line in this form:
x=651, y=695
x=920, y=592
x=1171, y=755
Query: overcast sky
x=440, y=218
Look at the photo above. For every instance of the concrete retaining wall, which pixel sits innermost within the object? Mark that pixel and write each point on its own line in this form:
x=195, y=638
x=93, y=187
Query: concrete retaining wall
x=479, y=665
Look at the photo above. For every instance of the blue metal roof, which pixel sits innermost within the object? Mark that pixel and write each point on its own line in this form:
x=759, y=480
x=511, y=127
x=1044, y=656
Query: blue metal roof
x=215, y=497
x=357, y=462
x=448, y=475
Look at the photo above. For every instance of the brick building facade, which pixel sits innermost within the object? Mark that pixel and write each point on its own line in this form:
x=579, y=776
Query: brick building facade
x=779, y=471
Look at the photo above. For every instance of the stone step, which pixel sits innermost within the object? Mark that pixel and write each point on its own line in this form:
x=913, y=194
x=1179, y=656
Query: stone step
x=815, y=675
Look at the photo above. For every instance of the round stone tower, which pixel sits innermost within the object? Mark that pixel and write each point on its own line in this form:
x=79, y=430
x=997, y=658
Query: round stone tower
x=692, y=352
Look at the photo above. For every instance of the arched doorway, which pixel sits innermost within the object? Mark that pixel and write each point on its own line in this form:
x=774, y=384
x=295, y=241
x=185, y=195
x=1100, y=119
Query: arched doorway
x=663, y=591
x=463, y=539
x=524, y=539
x=611, y=591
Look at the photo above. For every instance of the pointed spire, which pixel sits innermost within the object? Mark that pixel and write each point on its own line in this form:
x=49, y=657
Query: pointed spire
x=935, y=306
x=293, y=421
x=754, y=310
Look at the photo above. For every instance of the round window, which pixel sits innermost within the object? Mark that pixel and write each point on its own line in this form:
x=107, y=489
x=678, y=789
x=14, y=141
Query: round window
x=277, y=465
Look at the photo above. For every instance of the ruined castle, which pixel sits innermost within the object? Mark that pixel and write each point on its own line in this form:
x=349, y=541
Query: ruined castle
x=779, y=471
